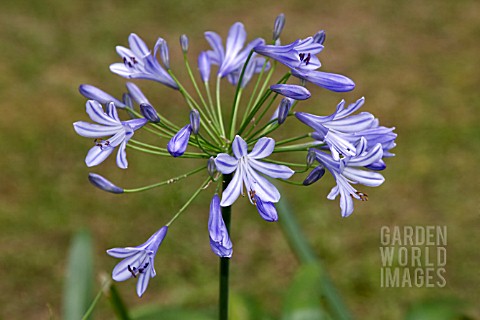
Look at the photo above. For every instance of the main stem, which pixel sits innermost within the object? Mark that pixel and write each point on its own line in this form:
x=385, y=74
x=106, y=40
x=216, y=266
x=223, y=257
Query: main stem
x=224, y=262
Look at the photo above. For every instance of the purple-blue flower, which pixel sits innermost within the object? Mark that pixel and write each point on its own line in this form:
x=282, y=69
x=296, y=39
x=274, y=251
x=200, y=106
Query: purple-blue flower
x=140, y=63
x=331, y=81
x=348, y=171
x=179, y=142
x=291, y=91
x=219, y=238
x=338, y=129
x=247, y=167
x=230, y=60
x=138, y=262
x=108, y=124
x=300, y=54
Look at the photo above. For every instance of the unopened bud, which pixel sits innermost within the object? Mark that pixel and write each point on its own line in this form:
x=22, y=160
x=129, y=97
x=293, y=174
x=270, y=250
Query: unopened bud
x=319, y=37
x=103, y=184
x=195, y=121
x=149, y=113
x=164, y=54
x=311, y=156
x=314, y=175
x=211, y=167
x=278, y=26
x=184, y=43
x=284, y=109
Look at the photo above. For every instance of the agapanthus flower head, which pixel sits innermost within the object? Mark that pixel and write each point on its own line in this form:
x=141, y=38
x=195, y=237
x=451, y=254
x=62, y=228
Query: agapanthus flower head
x=219, y=239
x=140, y=63
x=138, y=262
x=247, y=166
x=108, y=124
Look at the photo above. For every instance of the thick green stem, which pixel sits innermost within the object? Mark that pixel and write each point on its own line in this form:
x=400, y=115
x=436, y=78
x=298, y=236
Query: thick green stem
x=224, y=262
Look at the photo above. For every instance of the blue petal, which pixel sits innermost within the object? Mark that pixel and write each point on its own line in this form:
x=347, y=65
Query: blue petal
x=96, y=113
x=331, y=81
x=239, y=147
x=122, y=252
x=143, y=280
x=90, y=130
x=121, y=272
x=262, y=187
x=271, y=169
x=235, y=40
x=112, y=111
x=233, y=190
x=204, y=66
x=266, y=210
x=122, y=156
x=179, y=142
x=94, y=93
x=291, y=91
x=263, y=148
x=367, y=178
x=226, y=163
x=215, y=42
x=137, y=45
x=136, y=93
x=97, y=155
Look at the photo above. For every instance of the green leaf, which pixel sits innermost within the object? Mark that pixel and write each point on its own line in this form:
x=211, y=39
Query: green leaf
x=302, y=300
x=154, y=313
x=77, y=292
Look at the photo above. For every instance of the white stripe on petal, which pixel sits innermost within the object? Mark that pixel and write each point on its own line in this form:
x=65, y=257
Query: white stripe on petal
x=263, y=148
x=90, y=130
x=272, y=170
x=97, y=154
x=122, y=156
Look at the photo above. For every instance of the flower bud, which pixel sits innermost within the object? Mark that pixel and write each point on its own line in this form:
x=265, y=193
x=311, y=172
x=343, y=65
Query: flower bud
x=136, y=94
x=179, y=142
x=211, y=167
x=204, y=66
x=319, y=37
x=164, y=54
x=284, y=109
x=219, y=239
x=311, y=155
x=195, y=121
x=377, y=166
x=278, y=26
x=149, y=113
x=314, y=175
x=293, y=91
x=184, y=43
x=93, y=93
x=103, y=184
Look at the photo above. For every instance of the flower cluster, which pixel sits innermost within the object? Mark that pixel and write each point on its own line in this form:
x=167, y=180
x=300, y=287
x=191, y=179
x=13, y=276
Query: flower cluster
x=235, y=153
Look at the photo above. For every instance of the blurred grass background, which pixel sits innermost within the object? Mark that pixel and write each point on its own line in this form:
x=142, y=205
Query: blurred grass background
x=416, y=62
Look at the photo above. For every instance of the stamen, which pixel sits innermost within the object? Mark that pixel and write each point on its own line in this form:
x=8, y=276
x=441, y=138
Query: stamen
x=304, y=59
x=141, y=270
x=251, y=194
x=133, y=271
x=100, y=143
x=363, y=196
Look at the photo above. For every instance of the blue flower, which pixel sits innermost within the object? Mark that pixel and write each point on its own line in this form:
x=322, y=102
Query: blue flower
x=246, y=167
x=231, y=59
x=219, y=238
x=109, y=124
x=291, y=91
x=300, y=54
x=138, y=262
x=349, y=171
x=331, y=81
x=338, y=129
x=179, y=142
x=140, y=63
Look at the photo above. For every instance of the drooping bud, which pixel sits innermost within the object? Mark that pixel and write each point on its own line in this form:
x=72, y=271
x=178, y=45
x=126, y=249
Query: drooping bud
x=149, y=113
x=204, y=66
x=219, y=239
x=184, y=43
x=267, y=210
x=284, y=109
x=164, y=54
x=314, y=175
x=293, y=91
x=211, y=167
x=103, y=184
x=320, y=37
x=195, y=121
x=311, y=155
x=278, y=26
x=179, y=142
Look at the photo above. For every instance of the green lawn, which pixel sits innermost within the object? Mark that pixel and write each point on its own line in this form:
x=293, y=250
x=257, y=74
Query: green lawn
x=416, y=62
